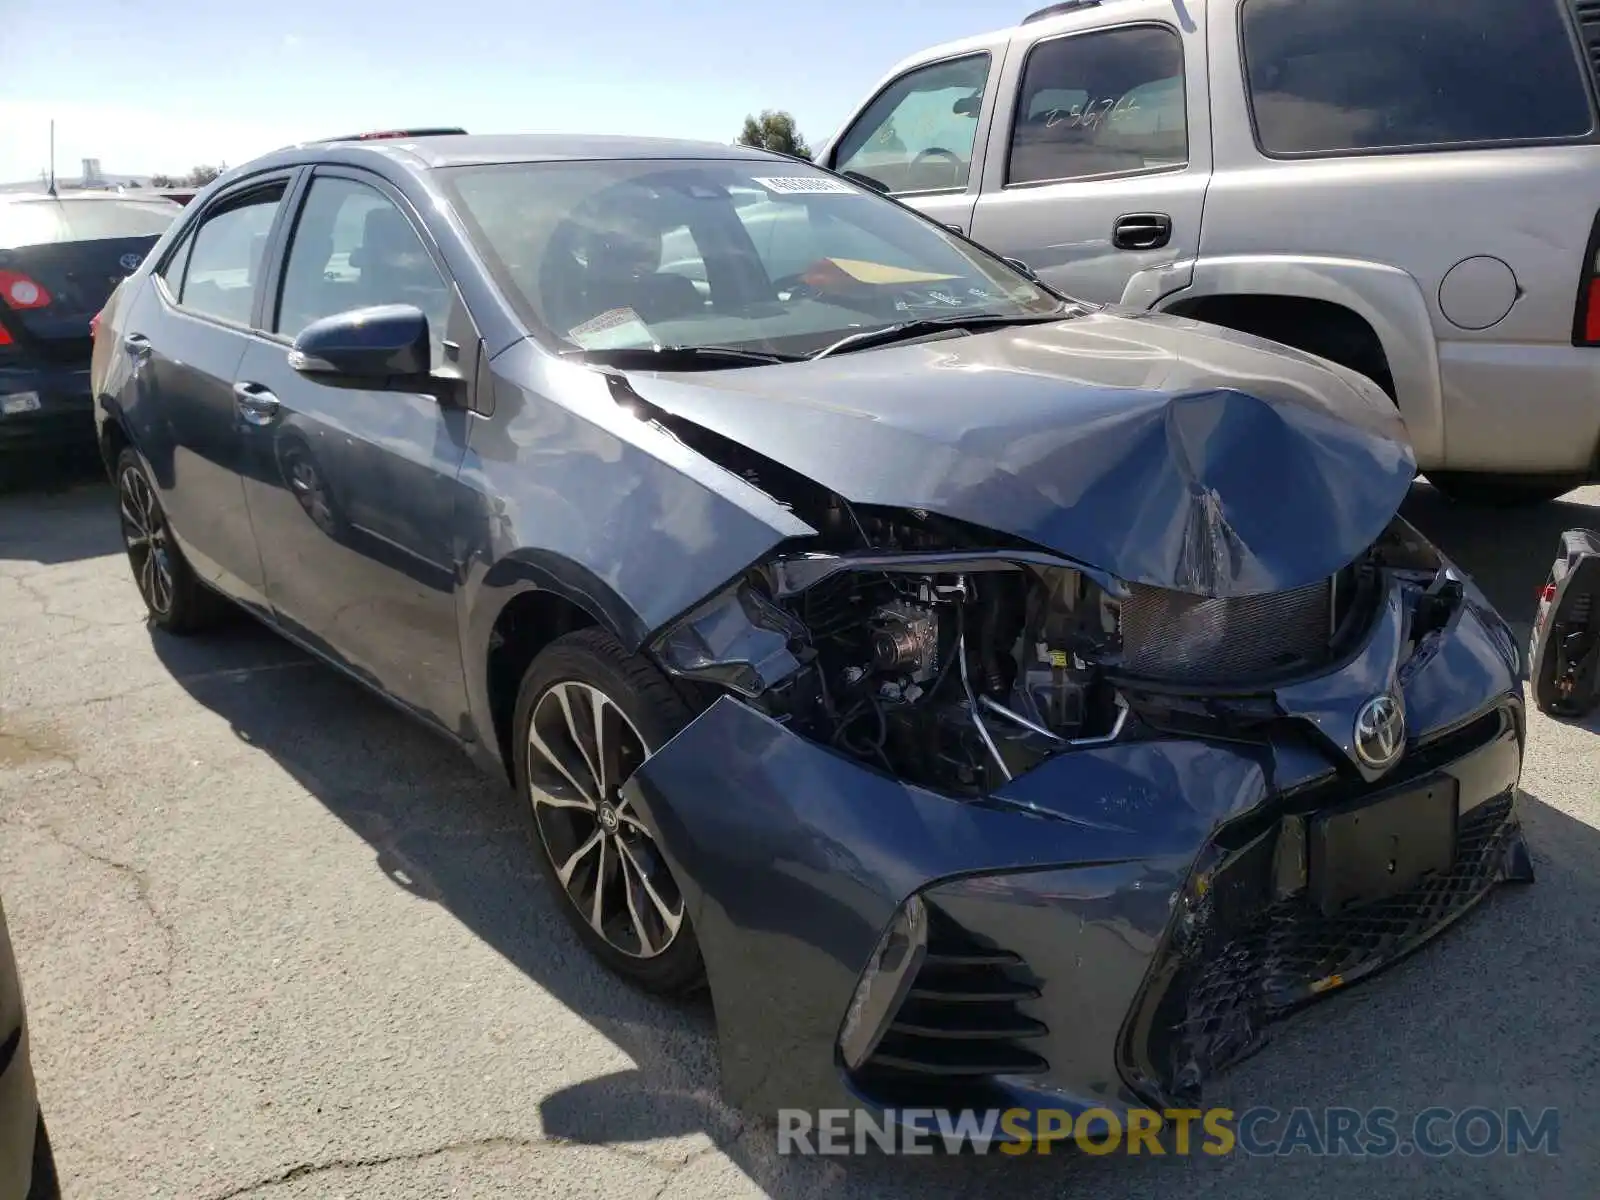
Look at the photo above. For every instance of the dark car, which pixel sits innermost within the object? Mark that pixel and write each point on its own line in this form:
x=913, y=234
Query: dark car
x=27, y=1167
x=60, y=259
x=994, y=698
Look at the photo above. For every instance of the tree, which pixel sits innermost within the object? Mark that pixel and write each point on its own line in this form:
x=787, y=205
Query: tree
x=201, y=176
x=774, y=130
x=163, y=181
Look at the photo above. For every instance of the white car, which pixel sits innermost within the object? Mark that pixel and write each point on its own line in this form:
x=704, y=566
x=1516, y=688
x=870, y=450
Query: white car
x=1407, y=189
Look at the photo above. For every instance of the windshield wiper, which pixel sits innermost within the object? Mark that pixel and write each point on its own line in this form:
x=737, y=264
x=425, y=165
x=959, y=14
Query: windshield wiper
x=679, y=358
x=903, y=331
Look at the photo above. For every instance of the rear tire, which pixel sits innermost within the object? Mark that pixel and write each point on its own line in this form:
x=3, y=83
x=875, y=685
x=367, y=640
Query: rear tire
x=173, y=595
x=1502, y=491
x=588, y=714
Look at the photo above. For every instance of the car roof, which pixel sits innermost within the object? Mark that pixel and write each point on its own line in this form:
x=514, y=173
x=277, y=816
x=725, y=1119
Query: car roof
x=450, y=150
x=1041, y=22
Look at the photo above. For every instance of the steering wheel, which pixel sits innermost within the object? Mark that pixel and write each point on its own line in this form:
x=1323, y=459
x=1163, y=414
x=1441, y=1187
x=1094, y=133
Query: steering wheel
x=938, y=154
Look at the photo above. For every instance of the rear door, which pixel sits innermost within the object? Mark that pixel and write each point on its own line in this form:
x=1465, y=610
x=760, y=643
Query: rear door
x=921, y=136
x=353, y=493
x=185, y=335
x=1101, y=151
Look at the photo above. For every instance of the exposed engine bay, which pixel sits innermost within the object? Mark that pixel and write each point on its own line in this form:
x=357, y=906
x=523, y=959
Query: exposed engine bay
x=949, y=659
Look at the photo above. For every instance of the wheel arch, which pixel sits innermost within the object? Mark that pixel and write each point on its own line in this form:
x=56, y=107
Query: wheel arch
x=520, y=605
x=1386, y=301
x=113, y=437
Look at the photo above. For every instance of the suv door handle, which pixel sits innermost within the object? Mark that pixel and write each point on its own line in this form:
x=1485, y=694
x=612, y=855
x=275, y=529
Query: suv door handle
x=1141, y=231
x=137, y=345
x=256, y=405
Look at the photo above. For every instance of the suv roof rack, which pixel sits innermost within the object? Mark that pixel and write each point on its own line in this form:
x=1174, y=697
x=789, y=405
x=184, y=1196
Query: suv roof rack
x=387, y=134
x=1055, y=10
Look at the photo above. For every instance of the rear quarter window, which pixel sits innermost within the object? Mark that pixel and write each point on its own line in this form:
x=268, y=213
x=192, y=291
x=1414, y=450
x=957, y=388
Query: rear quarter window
x=1354, y=76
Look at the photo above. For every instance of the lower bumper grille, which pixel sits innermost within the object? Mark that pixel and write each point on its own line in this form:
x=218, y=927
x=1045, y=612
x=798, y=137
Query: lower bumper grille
x=961, y=1022
x=1225, y=977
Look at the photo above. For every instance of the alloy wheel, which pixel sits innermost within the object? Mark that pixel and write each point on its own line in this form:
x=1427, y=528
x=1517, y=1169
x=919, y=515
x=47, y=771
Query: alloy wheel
x=581, y=750
x=149, y=545
x=309, y=490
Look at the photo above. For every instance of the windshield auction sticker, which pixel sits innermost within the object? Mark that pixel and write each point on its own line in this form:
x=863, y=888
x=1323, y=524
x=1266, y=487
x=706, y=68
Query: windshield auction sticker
x=807, y=185
x=612, y=329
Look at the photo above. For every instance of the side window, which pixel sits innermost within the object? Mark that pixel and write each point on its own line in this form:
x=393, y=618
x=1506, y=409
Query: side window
x=1105, y=103
x=1357, y=75
x=353, y=248
x=917, y=136
x=225, y=260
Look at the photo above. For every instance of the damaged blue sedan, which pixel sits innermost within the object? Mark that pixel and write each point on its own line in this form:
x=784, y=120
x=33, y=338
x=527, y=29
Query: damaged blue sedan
x=996, y=700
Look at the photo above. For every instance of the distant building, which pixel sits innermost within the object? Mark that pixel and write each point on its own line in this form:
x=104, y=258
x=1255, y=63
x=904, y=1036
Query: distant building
x=92, y=178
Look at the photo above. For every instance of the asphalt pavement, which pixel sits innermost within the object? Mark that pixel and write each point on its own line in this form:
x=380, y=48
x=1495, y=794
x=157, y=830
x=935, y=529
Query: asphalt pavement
x=278, y=942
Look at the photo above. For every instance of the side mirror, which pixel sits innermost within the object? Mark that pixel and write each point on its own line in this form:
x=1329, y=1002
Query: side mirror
x=386, y=347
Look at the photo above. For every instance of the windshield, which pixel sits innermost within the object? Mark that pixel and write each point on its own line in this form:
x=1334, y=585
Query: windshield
x=42, y=222
x=745, y=254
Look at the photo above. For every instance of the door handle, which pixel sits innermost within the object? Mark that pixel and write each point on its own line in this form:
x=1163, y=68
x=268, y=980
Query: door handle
x=137, y=345
x=1141, y=231
x=256, y=405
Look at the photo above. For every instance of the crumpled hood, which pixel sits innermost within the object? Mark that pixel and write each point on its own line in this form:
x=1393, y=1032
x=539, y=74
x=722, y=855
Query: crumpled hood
x=1158, y=449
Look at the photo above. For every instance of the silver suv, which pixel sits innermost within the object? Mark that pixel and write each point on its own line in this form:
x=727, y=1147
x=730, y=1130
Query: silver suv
x=1409, y=190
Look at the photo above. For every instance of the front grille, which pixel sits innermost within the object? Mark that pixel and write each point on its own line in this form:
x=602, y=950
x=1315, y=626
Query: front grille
x=1184, y=638
x=961, y=1022
x=1238, y=959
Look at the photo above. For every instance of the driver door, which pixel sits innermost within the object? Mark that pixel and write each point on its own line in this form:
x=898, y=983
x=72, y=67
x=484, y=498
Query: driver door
x=354, y=492
x=923, y=135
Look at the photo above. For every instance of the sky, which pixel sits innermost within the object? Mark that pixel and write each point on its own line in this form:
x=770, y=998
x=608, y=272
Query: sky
x=161, y=86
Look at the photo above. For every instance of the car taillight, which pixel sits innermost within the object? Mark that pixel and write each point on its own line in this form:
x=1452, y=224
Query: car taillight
x=21, y=292
x=5, y=338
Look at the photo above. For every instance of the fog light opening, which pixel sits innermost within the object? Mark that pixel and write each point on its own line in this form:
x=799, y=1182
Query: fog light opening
x=888, y=976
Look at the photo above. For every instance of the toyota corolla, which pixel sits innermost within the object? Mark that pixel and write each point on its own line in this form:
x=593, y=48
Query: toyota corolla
x=994, y=699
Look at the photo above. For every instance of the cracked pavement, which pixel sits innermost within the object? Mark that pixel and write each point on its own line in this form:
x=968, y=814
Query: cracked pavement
x=278, y=942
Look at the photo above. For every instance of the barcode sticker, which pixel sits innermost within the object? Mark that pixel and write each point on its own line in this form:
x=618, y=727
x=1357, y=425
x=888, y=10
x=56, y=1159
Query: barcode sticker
x=807, y=185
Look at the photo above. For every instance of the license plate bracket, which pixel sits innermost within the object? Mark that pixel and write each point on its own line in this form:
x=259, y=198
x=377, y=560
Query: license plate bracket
x=1376, y=848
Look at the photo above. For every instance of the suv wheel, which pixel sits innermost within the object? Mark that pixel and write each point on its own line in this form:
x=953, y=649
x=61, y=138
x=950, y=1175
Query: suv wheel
x=176, y=599
x=1503, y=491
x=588, y=714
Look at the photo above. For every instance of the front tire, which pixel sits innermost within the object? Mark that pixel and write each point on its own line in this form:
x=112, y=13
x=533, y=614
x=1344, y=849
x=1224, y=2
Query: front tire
x=173, y=595
x=1502, y=491
x=588, y=714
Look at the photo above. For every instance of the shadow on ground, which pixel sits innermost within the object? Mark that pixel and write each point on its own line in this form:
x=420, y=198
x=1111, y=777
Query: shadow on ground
x=56, y=511
x=1508, y=552
x=1500, y=996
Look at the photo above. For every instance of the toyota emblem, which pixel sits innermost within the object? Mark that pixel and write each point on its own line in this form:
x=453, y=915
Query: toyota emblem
x=1380, y=732
x=130, y=262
